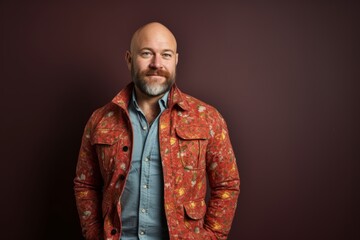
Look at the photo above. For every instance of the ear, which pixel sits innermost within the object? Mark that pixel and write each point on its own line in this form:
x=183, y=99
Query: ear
x=177, y=58
x=128, y=59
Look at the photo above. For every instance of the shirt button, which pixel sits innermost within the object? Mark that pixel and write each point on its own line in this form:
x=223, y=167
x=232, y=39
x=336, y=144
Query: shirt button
x=125, y=148
x=142, y=233
x=147, y=159
x=143, y=210
x=144, y=128
x=122, y=177
x=113, y=231
x=145, y=186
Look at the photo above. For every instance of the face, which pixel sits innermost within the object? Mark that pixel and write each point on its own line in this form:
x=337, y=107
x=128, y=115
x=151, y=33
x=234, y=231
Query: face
x=152, y=61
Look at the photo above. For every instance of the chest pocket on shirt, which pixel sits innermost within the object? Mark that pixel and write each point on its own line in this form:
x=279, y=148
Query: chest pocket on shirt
x=192, y=146
x=106, y=145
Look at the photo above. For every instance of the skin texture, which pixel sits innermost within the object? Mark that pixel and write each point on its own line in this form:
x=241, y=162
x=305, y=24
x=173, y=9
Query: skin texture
x=152, y=61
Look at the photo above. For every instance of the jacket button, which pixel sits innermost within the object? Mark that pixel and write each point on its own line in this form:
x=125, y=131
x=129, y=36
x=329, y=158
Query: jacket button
x=122, y=177
x=125, y=148
x=113, y=231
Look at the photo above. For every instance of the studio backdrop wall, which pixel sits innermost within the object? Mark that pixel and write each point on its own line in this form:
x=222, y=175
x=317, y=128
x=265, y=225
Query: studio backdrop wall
x=284, y=74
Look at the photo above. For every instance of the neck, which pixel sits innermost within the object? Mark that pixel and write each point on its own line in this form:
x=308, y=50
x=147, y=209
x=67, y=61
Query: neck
x=148, y=104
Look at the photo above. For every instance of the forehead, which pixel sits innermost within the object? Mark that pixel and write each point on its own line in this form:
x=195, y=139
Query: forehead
x=157, y=39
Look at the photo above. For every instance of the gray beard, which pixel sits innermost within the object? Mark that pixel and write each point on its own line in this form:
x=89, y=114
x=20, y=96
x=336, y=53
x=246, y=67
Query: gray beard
x=152, y=89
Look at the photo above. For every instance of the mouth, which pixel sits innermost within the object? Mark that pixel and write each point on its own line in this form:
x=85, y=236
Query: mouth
x=153, y=75
x=155, y=78
x=158, y=73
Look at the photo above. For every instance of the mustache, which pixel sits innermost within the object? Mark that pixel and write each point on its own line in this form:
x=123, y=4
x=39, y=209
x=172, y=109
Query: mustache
x=157, y=72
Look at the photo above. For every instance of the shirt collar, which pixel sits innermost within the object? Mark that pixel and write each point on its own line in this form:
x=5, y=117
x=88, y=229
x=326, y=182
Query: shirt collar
x=163, y=101
x=175, y=97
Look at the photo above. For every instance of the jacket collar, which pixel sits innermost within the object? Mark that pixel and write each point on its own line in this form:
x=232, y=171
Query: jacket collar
x=176, y=97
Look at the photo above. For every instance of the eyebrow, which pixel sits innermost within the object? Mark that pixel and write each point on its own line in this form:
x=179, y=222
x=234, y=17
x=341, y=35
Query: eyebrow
x=165, y=50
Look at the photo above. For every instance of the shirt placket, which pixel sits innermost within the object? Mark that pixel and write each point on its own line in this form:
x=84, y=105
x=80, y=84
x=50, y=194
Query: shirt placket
x=149, y=187
x=144, y=180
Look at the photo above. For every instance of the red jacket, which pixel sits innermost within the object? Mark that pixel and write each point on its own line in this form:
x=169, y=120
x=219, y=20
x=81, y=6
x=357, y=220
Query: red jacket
x=194, y=143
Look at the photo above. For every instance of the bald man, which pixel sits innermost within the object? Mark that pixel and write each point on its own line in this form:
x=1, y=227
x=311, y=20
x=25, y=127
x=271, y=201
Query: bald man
x=146, y=155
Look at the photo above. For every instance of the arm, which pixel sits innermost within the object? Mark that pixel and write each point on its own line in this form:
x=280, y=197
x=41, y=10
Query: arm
x=88, y=188
x=223, y=179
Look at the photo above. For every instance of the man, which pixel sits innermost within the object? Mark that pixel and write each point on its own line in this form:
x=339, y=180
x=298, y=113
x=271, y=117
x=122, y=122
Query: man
x=145, y=156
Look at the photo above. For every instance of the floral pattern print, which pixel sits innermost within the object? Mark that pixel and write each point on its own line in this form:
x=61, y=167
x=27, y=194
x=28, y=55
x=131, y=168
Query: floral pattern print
x=194, y=145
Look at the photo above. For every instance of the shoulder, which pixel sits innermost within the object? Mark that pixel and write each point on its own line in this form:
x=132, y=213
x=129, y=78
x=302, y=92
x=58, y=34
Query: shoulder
x=105, y=116
x=200, y=106
x=116, y=106
x=201, y=111
x=107, y=109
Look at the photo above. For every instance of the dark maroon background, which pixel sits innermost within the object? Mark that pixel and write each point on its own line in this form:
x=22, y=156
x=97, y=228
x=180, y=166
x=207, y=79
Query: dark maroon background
x=285, y=75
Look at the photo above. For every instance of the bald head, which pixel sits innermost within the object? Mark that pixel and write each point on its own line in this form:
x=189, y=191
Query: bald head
x=152, y=60
x=153, y=32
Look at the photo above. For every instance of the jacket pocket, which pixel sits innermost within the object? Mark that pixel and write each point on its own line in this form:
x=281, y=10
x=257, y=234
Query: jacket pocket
x=192, y=146
x=106, y=145
x=194, y=215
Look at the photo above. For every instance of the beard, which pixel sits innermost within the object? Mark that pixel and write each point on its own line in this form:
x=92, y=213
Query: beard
x=152, y=88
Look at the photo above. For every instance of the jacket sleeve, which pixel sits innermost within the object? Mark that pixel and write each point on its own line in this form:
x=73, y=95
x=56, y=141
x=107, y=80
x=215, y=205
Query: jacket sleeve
x=88, y=188
x=223, y=179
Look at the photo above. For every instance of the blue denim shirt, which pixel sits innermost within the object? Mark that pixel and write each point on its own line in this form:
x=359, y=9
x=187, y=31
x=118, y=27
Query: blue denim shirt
x=142, y=202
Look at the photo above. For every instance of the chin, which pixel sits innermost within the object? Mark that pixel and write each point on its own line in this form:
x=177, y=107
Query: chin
x=154, y=92
x=153, y=86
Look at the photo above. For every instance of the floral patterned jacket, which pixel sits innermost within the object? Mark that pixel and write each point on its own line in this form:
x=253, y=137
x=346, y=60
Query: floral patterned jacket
x=194, y=144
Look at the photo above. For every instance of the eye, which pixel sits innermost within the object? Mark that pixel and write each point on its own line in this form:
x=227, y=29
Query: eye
x=146, y=54
x=167, y=55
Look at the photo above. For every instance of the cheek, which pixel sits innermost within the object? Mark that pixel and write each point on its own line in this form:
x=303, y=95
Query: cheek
x=171, y=68
x=140, y=65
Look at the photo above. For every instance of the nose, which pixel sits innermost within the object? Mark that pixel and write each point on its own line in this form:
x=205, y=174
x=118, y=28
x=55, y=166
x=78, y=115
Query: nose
x=156, y=62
